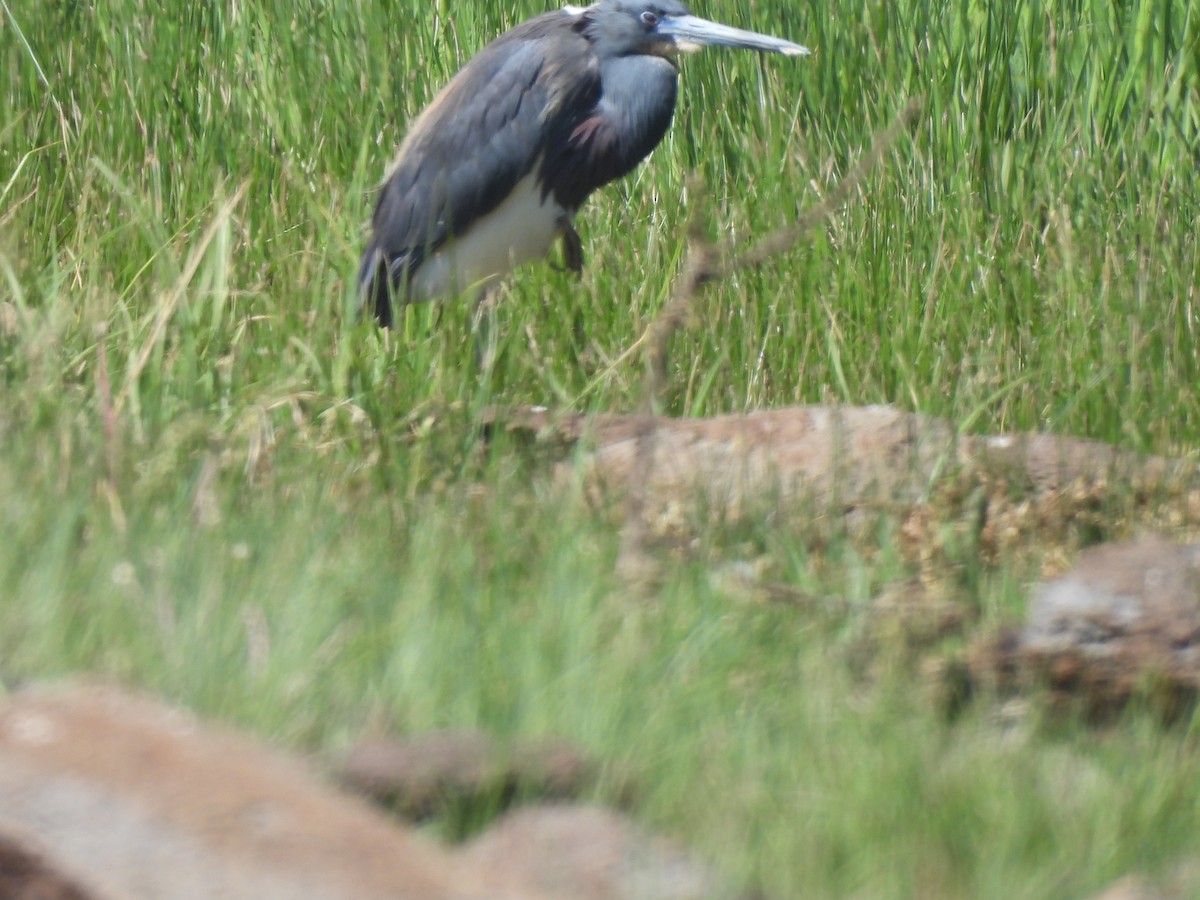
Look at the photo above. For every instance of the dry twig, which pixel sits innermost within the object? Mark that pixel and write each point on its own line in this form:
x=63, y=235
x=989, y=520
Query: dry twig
x=705, y=264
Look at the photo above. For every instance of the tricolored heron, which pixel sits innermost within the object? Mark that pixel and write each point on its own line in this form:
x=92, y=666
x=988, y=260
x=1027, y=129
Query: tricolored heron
x=495, y=168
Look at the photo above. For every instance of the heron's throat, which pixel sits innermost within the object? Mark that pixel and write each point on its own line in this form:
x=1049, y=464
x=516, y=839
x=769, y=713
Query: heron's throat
x=670, y=49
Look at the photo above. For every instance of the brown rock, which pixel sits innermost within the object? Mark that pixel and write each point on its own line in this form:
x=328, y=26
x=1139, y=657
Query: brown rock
x=1130, y=888
x=418, y=775
x=26, y=875
x=125, y=799
x=1149, y=588
x=586, y=853
x=1180, y=881
x=138, y=801
x=1124, y=620
x=849, y=455
x=413, y=773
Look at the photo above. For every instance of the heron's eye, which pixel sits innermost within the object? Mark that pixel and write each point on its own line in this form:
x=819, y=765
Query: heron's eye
x=649, y=19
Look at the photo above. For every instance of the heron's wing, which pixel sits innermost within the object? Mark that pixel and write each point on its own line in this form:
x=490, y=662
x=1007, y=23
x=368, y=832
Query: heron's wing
x=628, y=119
x=479, y=137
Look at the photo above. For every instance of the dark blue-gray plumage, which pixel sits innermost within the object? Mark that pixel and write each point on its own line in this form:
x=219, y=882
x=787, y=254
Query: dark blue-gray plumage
x=494, y=170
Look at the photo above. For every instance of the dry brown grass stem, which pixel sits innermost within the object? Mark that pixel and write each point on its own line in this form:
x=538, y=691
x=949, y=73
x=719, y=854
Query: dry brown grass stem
x=707, y=262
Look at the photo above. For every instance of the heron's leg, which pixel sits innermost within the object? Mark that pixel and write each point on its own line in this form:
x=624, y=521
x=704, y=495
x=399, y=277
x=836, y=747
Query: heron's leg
x=573, y=262
x=483, y=324
x=572, y=247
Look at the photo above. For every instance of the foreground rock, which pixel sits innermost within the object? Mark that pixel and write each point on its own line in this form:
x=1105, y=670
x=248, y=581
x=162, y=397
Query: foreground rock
x=131, y=800
x=1131, y=888
x=418, y=776
x=25, y=875
x=1178, y=882
x=1125, y=619
x=586, y=853
x=109, y=796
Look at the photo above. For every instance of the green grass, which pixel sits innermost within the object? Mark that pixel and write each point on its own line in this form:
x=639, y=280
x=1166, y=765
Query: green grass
x=217, y=485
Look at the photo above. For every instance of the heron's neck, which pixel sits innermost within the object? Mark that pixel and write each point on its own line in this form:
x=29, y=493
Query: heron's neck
x=608, y=140
x=637, y=98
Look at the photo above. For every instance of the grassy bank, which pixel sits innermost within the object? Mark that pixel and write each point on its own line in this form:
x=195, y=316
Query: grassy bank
x=218, y=485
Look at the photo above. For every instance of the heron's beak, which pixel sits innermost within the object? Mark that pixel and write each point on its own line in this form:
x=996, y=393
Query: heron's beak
x=691, y=33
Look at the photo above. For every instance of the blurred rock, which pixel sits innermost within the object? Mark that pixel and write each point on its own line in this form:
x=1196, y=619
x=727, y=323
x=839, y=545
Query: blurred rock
x=109, y=796
x=1127, y=616
x=1149, y=587
x=1180, y=881
x=1124, y=620
x=587, y=853
x=848, y=455
x=419, y=775
x=135, y=800
x=1130, y=888
x=26, y=875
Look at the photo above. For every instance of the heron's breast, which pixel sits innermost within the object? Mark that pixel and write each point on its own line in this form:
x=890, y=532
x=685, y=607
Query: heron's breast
x=521, y=229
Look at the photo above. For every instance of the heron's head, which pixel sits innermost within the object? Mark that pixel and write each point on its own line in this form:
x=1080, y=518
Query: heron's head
x=666, y=28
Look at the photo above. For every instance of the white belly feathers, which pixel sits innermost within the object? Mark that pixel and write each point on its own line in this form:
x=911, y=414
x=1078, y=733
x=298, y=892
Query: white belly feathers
x=519, y=230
